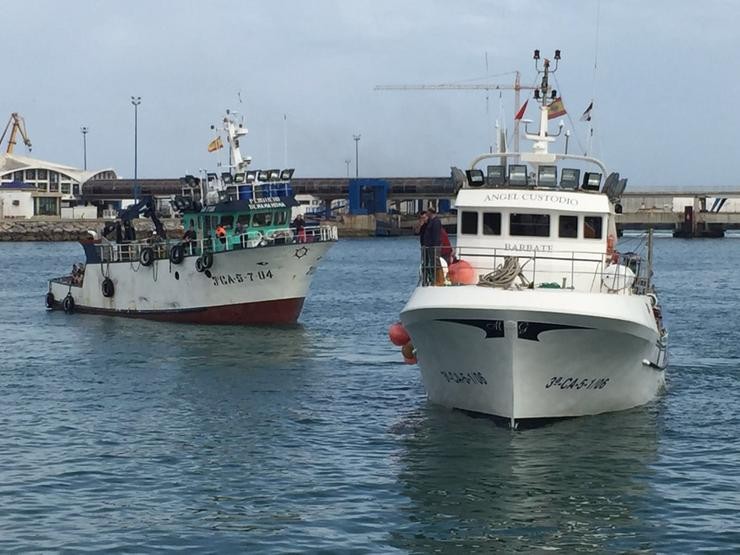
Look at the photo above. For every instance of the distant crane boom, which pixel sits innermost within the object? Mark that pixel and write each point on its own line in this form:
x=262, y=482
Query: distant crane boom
x=18, y=126
x=516, y=87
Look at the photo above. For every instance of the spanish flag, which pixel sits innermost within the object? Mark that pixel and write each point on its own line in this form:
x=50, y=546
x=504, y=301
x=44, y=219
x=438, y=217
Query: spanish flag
x=215, y=144
x=556, y=109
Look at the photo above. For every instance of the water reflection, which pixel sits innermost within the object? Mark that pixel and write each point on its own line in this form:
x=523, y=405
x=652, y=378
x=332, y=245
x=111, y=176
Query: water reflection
x=576, y=485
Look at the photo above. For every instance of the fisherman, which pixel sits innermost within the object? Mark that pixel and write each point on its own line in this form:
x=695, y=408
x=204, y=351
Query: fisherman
x=221, y=233
x=300, y=228
x=430, y=242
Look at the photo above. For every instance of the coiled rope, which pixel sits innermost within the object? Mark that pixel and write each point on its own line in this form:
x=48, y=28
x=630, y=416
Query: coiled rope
x=504, y=274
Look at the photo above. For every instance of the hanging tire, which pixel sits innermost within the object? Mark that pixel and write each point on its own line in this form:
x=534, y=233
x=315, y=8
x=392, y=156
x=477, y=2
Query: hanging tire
x=177, y=253
x=50, y=300
x=146, y=257
x=207, y=260
x=68, y=304
x=199, y=264
x=108, y=289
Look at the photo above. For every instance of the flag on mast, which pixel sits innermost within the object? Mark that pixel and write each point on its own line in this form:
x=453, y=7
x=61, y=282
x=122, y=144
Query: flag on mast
x=587, y=114
x=520, y=113
x=556, y=109
x=215, y=144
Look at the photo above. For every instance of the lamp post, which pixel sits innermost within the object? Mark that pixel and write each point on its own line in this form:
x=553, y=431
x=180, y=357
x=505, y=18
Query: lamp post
x=84, y=130
x=348, y=162
x=357, y=154
x=567, y=136
x=136, y=100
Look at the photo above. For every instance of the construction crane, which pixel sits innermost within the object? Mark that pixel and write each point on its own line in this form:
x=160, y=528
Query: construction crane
x=516, y=87
x=18, y=125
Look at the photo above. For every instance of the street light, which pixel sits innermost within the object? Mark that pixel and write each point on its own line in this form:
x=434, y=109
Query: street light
x=347, y=161
x=136, y=100
x=357, y=154
x=84, y=130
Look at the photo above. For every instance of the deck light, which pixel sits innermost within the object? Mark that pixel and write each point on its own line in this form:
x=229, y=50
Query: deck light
x=557, y=54
x=263, y=175
x=239, y=177
x=569, y=178
x=591, y=181
x=251, y=175
x=536, y=54
x=518, y=175
x=537, y=94
x=554, y=94
x=475, y=178
x=547, y=176
x=227, y=178
x=274, y=175
x=286, y=175
x=496, y=176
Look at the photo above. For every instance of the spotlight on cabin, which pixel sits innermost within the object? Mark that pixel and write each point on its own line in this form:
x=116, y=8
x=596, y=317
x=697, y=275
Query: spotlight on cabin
x=591, y=181
x=547, y=176
x=475, y=178
x=557, y=54
x=496, y=175
x=569, y=178
x=518, y=175
x=239, y=177
x=226, y=177
x=286, y=175
x=274, y=175
x=536, y=55
x=263, y=175
x=251, y=175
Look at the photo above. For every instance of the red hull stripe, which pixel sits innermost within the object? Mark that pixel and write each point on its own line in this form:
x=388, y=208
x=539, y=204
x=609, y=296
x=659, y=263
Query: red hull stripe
x=283, y=311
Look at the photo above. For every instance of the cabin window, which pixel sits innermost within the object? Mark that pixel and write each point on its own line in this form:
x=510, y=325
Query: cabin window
x=529, y=225
x=281, y=217
x=30, y=175
x=243, y=220
x=262, y=219
x=592, y=227
x=65, y=188
x=491, y=223
x=227, y=220
x=469, y=223
x=76, y=189
x=568, y=227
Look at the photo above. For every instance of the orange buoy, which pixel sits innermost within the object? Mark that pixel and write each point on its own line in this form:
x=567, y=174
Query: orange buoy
x=462, y=273
x=398, y=334
x=408, y=350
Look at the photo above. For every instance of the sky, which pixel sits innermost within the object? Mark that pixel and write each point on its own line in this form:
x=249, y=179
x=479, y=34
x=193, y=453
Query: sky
x=663, y=76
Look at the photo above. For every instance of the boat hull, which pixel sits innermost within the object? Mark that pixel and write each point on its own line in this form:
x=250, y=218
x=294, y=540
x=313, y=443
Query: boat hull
x=528, y=355
x=265, y=285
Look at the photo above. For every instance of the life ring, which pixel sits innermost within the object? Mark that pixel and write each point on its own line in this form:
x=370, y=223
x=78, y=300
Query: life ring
x=611, y=242
x=50, y=300
x=177, y=253
x=108, y=289
x=207, y=260
x=68, y=304
x=146, y=257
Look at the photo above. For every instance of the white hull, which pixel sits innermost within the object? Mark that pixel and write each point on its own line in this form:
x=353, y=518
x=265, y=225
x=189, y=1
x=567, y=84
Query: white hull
x=532, y=354
x=254, y=285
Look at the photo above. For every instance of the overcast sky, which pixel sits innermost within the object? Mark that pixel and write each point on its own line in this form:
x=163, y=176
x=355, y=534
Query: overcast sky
x=665, y=88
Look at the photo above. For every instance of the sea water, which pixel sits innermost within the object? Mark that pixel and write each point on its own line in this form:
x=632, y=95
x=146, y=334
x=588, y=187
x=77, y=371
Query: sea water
x=125, y=435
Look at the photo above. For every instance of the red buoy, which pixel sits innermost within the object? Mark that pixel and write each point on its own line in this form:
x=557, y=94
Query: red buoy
x=462, y=273
x=398, y=334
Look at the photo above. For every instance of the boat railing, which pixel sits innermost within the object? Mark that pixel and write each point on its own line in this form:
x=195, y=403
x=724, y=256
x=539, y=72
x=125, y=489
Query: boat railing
x=107, y=251
x=620, y=273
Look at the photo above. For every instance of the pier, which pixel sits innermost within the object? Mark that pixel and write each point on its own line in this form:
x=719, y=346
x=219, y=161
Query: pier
x=701, y=212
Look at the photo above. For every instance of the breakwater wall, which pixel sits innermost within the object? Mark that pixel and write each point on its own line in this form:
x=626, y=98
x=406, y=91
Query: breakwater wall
x=72, y=230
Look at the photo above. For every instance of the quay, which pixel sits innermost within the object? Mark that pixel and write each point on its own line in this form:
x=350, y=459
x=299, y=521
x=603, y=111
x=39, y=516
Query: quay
x=380, y=206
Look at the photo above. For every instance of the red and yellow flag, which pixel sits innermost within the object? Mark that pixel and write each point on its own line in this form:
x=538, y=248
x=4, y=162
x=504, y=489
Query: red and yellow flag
x=215, y=144
x=556, y=109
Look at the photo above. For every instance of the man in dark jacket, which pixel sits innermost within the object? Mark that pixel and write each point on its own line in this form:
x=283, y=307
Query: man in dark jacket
x=430, y=242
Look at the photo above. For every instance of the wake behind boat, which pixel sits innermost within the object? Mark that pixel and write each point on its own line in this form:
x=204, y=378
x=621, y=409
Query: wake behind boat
x=538, y=315
x=240, y=260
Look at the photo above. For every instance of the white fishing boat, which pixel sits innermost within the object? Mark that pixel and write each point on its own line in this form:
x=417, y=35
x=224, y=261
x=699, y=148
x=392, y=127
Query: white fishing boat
x=239, y=262
x=538, y=316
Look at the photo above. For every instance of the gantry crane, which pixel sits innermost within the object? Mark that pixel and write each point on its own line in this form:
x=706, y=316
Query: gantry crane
x=516, y=87
x=18, y=125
